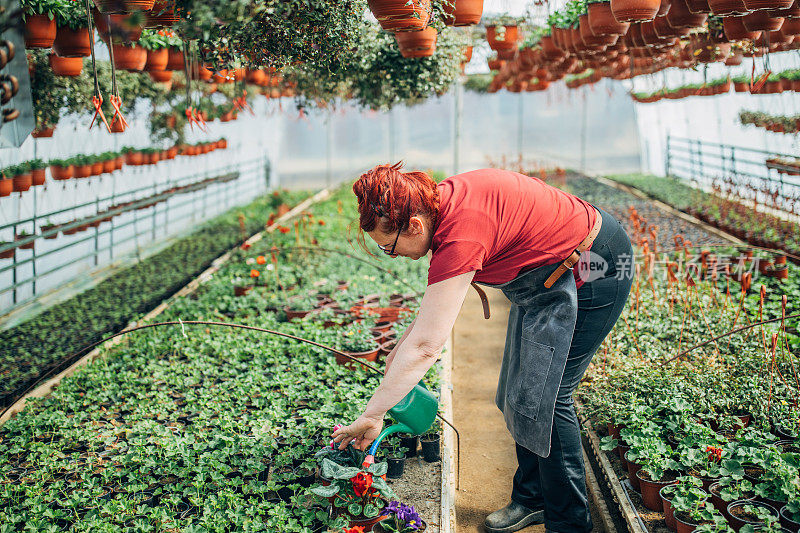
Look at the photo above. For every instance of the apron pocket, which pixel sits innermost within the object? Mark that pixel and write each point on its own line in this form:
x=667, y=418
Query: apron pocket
x=527, y=376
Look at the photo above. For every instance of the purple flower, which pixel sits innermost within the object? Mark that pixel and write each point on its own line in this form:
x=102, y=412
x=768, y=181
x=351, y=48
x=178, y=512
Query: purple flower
x=405, y=515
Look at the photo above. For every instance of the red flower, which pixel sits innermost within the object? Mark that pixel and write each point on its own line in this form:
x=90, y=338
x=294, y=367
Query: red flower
x=246, y=246
x=354, y=529
x=284, y=229
x=254, y=273
x=321, y=222
x=714, y=454
x=361, y=483
x=261, y=259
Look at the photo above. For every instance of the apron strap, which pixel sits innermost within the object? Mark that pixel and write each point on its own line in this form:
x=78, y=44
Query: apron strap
x=484, y=300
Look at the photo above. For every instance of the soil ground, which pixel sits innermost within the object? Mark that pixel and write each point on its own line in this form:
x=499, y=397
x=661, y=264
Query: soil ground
x=488, y=460
x=421, y=485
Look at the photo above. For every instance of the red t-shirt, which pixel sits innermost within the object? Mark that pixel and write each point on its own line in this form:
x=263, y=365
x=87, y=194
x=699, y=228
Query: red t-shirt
x=500, y=223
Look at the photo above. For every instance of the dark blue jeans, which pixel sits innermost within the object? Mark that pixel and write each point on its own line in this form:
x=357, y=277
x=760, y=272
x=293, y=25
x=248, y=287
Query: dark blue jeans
x=557, y=483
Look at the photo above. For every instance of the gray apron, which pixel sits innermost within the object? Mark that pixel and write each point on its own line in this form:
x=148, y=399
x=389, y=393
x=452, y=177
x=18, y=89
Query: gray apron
x=540, y=328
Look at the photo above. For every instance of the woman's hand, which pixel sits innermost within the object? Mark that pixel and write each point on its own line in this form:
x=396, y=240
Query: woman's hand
x=361, y=432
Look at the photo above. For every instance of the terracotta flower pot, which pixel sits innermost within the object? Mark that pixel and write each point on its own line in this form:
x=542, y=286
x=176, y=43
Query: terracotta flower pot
x=156, y=60
x=369, y=356
x=8, y=254
x=6, y=186
x=669, y=512
x=97, y=168
x=38, y=176
x=737, y=520
x=72, y=43
x=65, y=66
x=83, y=171
x=684, y=526
x=633, y=468
x=28, y=246
x=175, y=59
x=43, y=132
x=754, y=5
x=62, y=173
x=650, y=491
x=161, y=76
x=40, y=31
x=401, y=15
x=508, y=41
x=123, y=6
x=761, y=21
x=132, y=58
x=463, y=12
x=417, y=43
x=727, y=7
x=735, y=30
x=22, y=182
x=635, y=10
x=679, y=16
x=120, y=28
x=109, y=166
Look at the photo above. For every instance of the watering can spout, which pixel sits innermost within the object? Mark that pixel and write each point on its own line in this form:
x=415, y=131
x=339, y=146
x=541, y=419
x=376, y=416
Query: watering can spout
x=414, y=414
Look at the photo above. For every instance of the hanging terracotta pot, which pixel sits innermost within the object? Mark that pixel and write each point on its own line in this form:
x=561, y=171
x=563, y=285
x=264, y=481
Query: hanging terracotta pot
x=72, y=43
x=6, y=186
x=201, y=72
x=635, y=10
x=123, y=6
x=727, y=7
x=649, y=35
x=38, y=176
x=735, y=30
x=40, y=31
x=679, y=16
x=792, y=12
x=463, y=12
x=65, y=66
x=22, y=182
x=162, y=15
x=175, y=59
x=549, y=48
x=401, y=15
x=117, y=126
x=602, y=21
x=62, y=172
x=780, y=38
x=122, y=28
x=220, y=77
x=754, y=5
x=791, y=26
x=467, y=54
x=161, y=76
x=698, y=6
x=662, y=27
x=156, y=60
x=129, y=57
x=589, y=38
x=761, y=21
x=256, y=77
x=504, y=40
x=43, y=132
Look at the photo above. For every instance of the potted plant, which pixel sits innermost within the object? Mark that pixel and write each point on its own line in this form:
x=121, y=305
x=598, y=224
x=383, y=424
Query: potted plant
x=401, y=15
x=395, y=455
x=82, y=165
x=72, y=35
x=356, y=341
x=7, y=254
x=131, y=57
x=657, y=470
x=40, y=24
x=751, y=513
x=401, y=518
x=790, y=515
x=49, y=226
x=300, y=306
x=21, y=176
x=430, y=442
x=24, y=235
x=6, y=184
x=61, y=169
x=65, y=66
x=38, y=173
x=157, y=45
x=687, y=492
x=358, y=494
x=242, y=286
x=729, y=489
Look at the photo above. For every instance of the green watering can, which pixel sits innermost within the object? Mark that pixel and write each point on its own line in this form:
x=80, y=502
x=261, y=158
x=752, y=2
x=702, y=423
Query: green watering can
x=414, y=414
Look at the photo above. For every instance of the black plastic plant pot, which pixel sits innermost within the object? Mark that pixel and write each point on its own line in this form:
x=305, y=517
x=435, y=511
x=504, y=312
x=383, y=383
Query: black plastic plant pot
x=396, y=467
x=410, y=443
x=788, y=522
x=739, y=518
x=430, y=448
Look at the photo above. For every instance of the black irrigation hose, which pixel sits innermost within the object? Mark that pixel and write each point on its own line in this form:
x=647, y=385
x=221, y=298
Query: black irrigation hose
x=731, y=332
x=335, y=251
x=262, y=330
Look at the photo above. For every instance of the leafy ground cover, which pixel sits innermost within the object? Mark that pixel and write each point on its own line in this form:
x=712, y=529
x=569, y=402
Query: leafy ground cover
x=208, y=428
x=46, y=342
x=726, y=412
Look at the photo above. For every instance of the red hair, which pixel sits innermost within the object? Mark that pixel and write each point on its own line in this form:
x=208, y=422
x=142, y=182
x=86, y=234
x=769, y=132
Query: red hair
x=390, y=198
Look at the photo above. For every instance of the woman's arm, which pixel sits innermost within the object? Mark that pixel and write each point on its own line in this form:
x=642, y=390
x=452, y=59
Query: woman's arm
x=390, y=357
x=415, y=354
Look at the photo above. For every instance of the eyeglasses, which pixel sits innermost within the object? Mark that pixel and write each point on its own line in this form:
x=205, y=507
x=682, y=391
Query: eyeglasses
x=386, y=249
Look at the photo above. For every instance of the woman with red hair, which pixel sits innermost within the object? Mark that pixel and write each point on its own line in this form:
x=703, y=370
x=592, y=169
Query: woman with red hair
x=516, y=233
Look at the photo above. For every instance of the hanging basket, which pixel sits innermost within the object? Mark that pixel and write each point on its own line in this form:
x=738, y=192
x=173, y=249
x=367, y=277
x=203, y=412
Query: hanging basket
x=156, y=60
x=502, y=40
x=698, y=6
x=6, y=186
x=162, y=15
x=123, y=28
x=401, y=15
x=45, y=132
x=72, y=43
x=40, y=31
x=22, y=182
x=727, y=7
x=463, y=12
x=62, y=172
x=129, y=57
x=635, y=10
x=417, y=43
x=38, y=177
x=679, y=16
x=123, y=6
x=65, y=66
x=754, y=5
x=735, y=30
x=761, y=21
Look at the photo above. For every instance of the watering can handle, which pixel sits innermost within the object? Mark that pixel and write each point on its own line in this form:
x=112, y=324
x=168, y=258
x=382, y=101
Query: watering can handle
x=395, y=428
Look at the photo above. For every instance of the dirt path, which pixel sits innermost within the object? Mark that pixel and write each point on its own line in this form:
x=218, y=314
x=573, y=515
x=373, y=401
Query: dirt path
x=488, y=461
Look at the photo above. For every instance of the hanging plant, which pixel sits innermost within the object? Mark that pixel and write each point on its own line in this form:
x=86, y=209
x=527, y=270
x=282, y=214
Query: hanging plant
x=72, y=35
x=65, y=66
x=156, y=43
x=40, y=24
